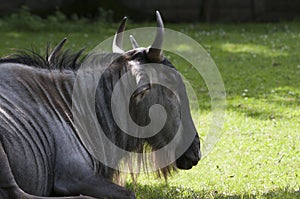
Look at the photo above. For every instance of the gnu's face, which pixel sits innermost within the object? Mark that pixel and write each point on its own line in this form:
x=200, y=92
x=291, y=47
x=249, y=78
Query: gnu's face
x=173, y=101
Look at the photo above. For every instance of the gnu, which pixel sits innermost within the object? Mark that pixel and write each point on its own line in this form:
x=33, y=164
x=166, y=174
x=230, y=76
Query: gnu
x=41, y=153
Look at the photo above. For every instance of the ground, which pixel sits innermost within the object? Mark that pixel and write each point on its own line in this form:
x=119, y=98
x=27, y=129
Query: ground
x=258, y=155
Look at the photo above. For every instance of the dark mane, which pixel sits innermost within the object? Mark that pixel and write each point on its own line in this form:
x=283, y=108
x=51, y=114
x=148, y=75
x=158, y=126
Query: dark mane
x=60, y=59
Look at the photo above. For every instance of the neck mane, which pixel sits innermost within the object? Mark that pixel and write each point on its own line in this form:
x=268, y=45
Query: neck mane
x=65, y=60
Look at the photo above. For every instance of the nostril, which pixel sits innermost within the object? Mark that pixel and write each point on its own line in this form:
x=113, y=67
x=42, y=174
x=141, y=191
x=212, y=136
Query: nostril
x=195, y=162
x=197, y=158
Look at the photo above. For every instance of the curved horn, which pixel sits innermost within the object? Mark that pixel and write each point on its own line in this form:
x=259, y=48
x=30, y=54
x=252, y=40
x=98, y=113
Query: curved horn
x=133, y=42
x=56, y=50
x=155, y=52
x=117, y=45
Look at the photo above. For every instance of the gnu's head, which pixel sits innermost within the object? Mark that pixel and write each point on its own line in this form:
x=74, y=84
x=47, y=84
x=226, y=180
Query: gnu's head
x=147, y=94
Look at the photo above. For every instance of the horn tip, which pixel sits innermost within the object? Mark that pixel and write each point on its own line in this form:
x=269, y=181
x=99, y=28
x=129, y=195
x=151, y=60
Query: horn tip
x=122, y=25
x=133, y=41
x=123, y=22
x=64, y=39
x=157, y=14
x=159, y=19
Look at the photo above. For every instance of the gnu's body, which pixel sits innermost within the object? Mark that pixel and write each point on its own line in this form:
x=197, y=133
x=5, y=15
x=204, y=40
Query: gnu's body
x=41, y=154
x=35, y=118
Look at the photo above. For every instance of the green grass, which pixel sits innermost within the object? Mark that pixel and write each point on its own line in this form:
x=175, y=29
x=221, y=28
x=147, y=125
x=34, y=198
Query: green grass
x=258, y=155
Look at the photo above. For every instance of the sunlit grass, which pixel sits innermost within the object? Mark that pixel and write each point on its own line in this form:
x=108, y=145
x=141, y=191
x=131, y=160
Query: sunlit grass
x=182, y=48
x=254, y=49
x=258, y=155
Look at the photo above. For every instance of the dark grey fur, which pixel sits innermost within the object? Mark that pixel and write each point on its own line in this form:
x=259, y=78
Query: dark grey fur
x=40, y=152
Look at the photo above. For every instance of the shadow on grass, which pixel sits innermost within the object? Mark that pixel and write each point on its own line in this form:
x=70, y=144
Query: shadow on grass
x=270, y=109
x=256, y=113
x=164, y=191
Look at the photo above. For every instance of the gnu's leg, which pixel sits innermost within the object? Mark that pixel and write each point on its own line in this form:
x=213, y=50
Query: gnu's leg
x=8, y=185
x=9, y=188
x=96, y=186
